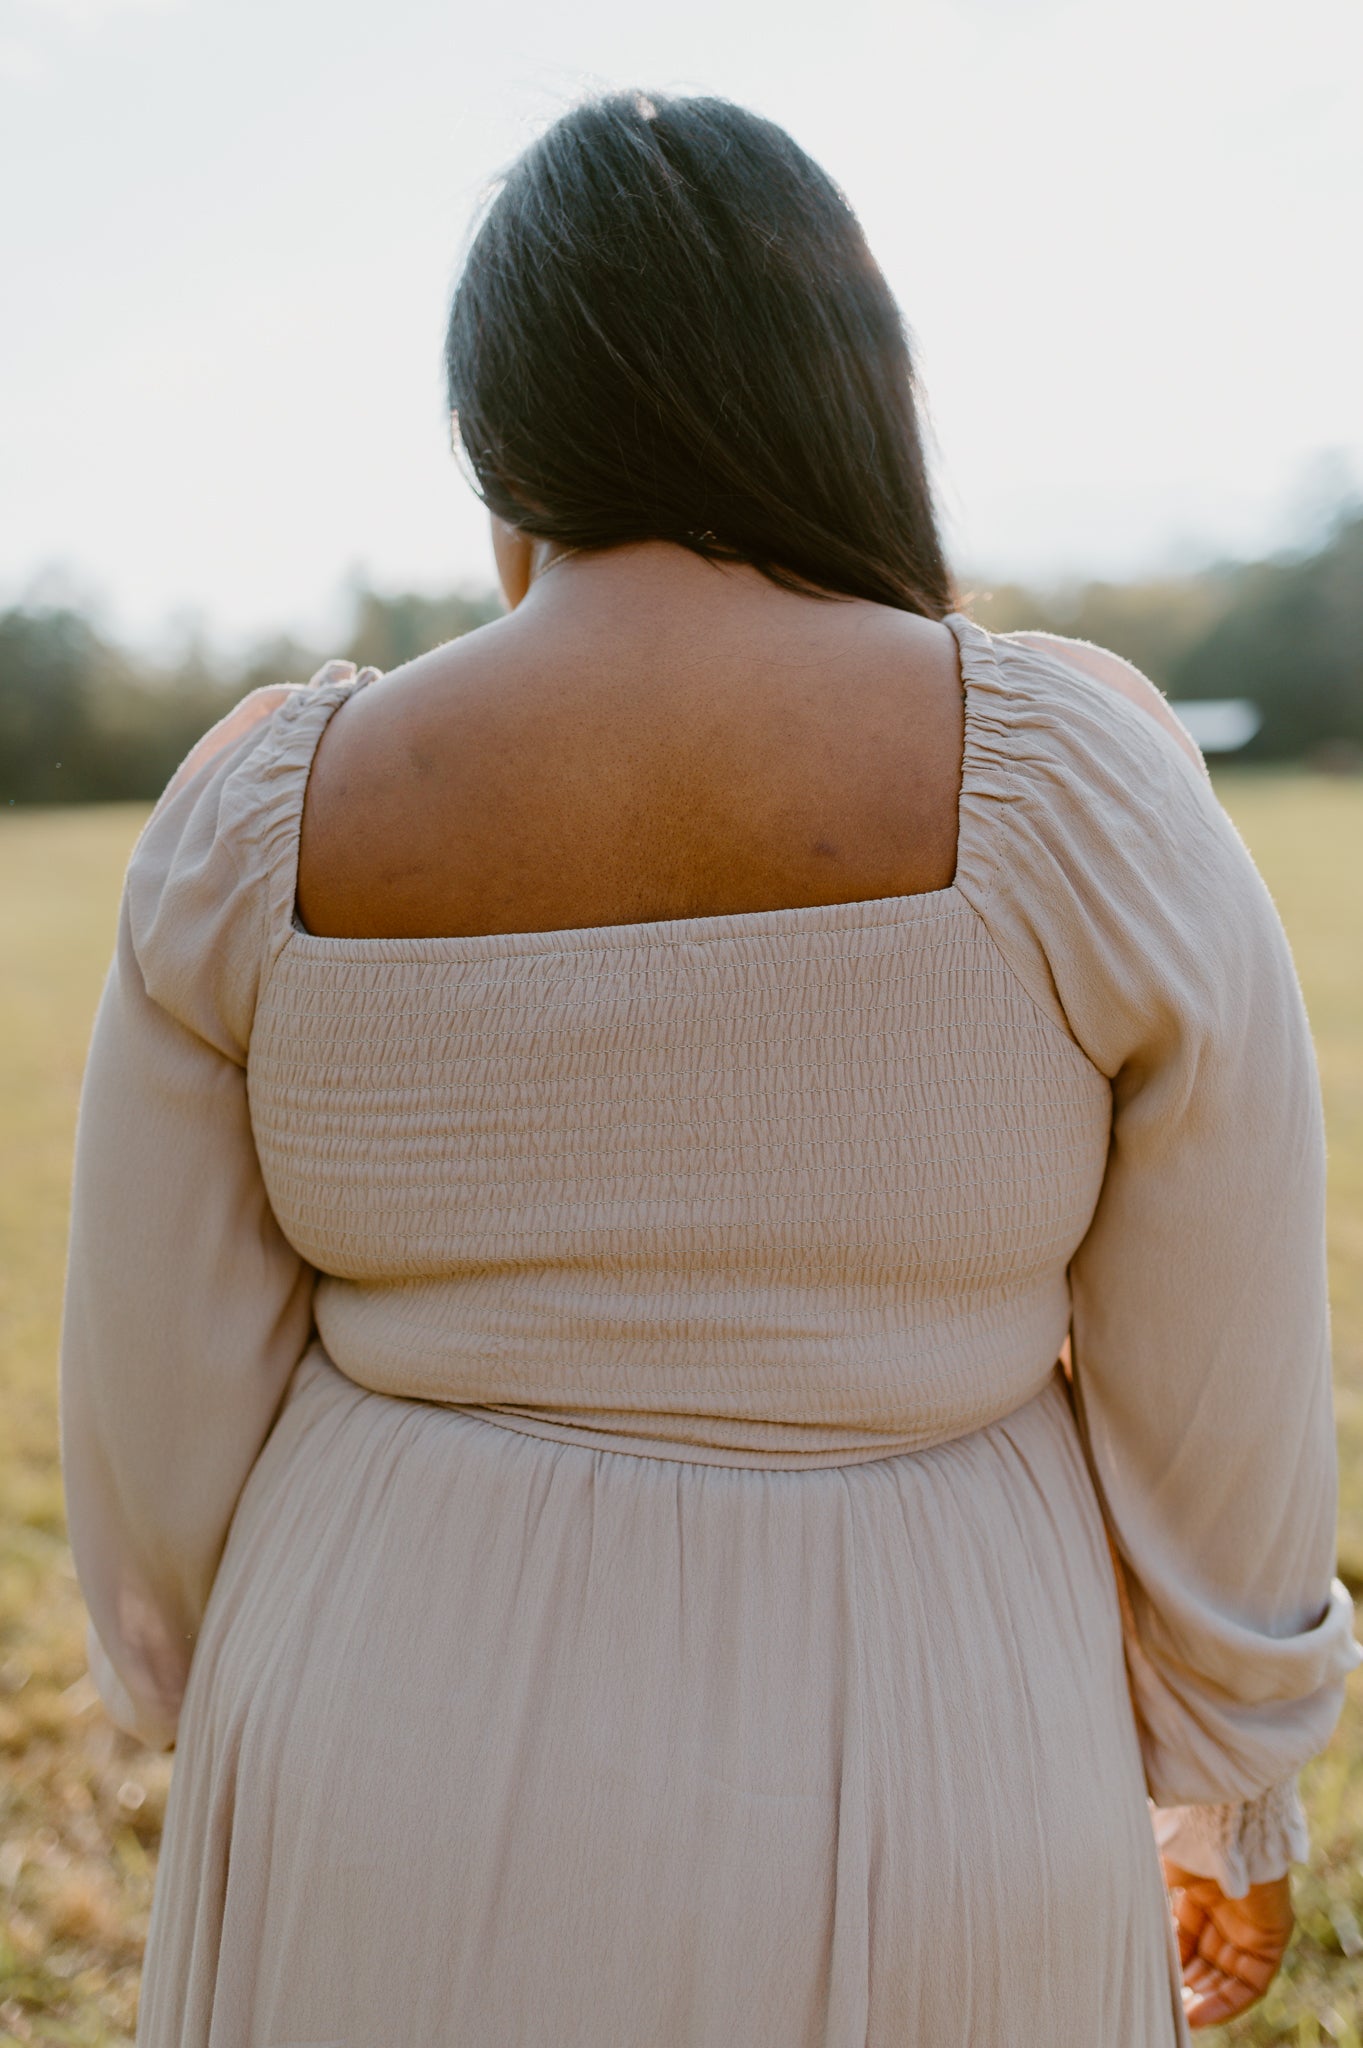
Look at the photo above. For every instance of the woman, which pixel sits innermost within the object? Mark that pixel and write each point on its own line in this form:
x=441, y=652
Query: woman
x=593, y=1146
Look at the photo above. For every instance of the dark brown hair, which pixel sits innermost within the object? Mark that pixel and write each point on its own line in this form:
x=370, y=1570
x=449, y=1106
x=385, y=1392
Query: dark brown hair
x=669, y=327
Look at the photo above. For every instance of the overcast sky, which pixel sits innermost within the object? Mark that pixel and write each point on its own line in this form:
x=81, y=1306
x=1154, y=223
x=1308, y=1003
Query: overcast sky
x=1125, y=236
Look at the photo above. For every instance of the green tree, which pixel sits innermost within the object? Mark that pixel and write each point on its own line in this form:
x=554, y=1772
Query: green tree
x=389, y=631
x=1291, y=639
x=54, y=666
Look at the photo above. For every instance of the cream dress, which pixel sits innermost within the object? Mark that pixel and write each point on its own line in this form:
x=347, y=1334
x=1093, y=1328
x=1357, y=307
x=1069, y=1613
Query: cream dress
x=564, y=1433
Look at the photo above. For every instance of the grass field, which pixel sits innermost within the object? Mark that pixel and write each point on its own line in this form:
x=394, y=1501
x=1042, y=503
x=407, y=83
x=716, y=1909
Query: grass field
x=81, y=1805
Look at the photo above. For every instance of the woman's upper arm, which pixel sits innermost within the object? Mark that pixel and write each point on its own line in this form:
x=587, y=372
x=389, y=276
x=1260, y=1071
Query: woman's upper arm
x=1130, y=907
x=185, y=1309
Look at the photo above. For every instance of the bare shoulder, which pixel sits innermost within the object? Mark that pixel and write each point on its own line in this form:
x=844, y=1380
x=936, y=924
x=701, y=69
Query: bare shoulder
x=1120, y=675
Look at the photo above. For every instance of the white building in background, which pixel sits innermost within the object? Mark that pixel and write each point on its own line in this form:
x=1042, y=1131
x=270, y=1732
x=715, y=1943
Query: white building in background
x=1219, y=724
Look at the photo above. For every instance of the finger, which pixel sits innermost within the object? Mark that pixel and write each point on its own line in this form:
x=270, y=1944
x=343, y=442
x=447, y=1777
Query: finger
x=1227, y=1991
x=1255, y=1970
x=1215, y=2005
x=1228, y=1948
x=1220, y=1953
x=1188, y=1908
x=1190, y=1920
x=1250, y=1935
x=1188, y=1925
x=1215, y=1994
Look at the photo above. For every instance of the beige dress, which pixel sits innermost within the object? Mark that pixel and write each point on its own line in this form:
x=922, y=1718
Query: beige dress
x=588, y=1401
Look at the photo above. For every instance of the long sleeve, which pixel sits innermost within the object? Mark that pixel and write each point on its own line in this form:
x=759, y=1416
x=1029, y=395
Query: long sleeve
x=185, y=1309
x=1116, y=884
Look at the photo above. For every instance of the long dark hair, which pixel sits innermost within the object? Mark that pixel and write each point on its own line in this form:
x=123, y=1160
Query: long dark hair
x=669, y=327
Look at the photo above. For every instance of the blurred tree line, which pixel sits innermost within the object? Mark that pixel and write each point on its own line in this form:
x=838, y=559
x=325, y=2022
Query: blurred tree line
x=82, y=719
x=1287, y=634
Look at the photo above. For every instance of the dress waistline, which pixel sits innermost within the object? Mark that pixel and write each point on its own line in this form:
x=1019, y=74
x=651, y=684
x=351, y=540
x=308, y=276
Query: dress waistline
x=628, y=1443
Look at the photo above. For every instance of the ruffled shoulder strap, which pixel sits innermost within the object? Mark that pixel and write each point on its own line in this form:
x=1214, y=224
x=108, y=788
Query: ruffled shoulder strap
x=1083, y=821
x=210, y=885
x=277, y=786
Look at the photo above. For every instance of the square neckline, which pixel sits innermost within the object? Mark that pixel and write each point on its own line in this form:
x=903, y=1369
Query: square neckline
x=779, y=922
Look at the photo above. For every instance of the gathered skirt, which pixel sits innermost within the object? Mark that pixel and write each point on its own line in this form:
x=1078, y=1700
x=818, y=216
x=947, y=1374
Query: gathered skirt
x=498, y=1740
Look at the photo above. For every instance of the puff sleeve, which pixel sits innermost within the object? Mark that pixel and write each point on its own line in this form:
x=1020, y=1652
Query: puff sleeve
x=185, y=1310
x=1107, y=871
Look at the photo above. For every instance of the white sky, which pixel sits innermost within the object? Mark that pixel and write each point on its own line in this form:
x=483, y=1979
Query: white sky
x=1126, y=237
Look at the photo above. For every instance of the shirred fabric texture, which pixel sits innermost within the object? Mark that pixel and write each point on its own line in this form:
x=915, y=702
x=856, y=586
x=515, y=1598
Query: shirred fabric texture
x=563, y=1431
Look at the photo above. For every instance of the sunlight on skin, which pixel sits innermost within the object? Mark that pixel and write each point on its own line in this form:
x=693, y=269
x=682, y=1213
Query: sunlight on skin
x=519, y=559
x=1230, y=1949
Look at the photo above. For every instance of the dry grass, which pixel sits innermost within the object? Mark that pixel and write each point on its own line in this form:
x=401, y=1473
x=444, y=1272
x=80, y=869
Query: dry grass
x=81, y=1806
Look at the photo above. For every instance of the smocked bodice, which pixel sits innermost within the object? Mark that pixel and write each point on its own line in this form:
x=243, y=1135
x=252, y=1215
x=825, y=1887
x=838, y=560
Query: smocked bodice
x=806, y=1180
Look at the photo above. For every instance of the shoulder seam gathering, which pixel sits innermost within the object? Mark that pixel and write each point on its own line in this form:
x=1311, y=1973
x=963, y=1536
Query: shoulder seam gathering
x=283, y=807
x=1137, y=720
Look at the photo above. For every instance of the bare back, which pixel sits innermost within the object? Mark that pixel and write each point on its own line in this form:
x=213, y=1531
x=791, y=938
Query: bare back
x=645, y=737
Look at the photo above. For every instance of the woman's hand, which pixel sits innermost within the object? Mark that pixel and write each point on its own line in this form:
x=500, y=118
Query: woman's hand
x=1230, y=1949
